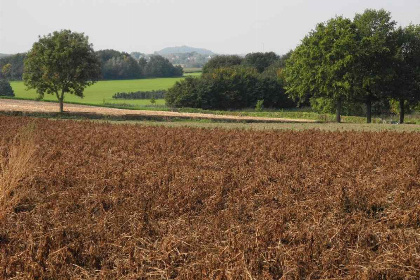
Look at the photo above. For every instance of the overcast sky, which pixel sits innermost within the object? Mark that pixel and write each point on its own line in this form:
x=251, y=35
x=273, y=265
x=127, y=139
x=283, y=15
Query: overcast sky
x=223, y=26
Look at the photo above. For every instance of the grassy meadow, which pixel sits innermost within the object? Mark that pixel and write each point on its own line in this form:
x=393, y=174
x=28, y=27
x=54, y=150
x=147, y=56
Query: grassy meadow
x=101, y=93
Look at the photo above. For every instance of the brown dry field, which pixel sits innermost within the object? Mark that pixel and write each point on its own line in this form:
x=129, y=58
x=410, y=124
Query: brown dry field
x=85, y=200
x=11, y=105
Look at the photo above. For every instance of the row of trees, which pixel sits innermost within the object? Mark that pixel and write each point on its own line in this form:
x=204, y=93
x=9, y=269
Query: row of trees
x=115, y=65
x=15, y=66
x=120, y=65
x=364, y=60
x=261, y=62
x=342, y=64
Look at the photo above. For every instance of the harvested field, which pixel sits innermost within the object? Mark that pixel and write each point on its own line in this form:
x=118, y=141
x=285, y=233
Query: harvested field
x=133, y=202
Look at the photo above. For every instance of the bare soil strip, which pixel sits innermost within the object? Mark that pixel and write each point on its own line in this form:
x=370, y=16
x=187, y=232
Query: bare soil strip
x=11, y=105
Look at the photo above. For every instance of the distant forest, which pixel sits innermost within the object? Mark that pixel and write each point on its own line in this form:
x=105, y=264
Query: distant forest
x=115, y=66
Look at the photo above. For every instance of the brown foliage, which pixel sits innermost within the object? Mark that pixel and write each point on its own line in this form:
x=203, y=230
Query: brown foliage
x=131, y=202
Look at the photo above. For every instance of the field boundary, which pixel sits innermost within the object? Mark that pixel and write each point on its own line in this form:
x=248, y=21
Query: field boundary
x=49, y=109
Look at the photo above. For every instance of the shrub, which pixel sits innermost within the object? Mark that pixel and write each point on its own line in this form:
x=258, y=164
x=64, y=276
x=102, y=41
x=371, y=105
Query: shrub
x=156, y=94
x=6, y=88
x=259, y=106
x=228, y=88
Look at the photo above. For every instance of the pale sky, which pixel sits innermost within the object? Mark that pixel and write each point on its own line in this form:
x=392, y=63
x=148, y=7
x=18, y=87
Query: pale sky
x=223, y=26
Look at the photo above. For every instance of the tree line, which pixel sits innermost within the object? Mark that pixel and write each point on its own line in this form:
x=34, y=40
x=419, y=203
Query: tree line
x=115, y=65
x=233, y=82
x=338, y=66
x=367, y=60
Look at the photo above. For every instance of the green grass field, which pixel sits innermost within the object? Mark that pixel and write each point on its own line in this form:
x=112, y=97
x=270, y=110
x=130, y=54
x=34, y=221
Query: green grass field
x=101, y=92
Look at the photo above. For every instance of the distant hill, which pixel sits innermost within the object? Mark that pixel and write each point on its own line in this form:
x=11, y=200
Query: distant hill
x=184, y=49
x=4, y=55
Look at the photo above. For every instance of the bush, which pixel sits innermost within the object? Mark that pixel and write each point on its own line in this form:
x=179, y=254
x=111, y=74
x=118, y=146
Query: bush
x=259, y=106
x=228, y=88
x=156, y=94
x=6, y=88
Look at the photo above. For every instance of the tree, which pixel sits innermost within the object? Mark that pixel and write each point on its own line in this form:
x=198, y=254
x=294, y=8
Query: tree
x=320, y=66
x=59, y=63
x=222, y=61
x=158, y=66
x=142, y=65
x=374, y=60
x=5, y=88
x=5, y=70
x=260, y=61
x=118, y=65
x=228, y=88
x=405, y=86
x=16, y=66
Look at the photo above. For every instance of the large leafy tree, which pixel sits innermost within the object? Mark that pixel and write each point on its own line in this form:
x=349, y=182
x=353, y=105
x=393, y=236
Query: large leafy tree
x=405, y=86
x=321, y=65
x=61, y=62
x=376, y=50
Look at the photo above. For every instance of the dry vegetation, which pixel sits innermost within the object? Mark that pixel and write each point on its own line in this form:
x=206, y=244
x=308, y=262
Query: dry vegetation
x=130, y=202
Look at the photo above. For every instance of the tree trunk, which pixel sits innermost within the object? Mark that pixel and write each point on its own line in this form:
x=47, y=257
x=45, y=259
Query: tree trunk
x=402, y=112
x=61, y=105
x=369, y=110
x=338, y=111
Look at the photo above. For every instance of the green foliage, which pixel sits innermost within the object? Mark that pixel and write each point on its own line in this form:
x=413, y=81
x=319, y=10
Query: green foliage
x=15, y=70
x=5, y=88
x=259, y=106
x=320, y=66
x=186, y=93
x=222, y=61
x=328, y=106
x=154, y=94
x=153, y=100
x=118, y=65
x=405, y=85
x=158, y=66
x=228, y=88
x=59, y=63
x=260, y=61
x=373, y=69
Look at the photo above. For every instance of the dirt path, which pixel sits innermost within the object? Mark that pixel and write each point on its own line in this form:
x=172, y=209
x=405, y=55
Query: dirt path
x=50, y=107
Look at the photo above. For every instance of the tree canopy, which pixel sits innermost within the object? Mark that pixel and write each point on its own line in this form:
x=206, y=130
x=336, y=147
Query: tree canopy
x=260, y=61
x=229, y=88
x=158, y=66
x=117, y=65
x=321, y=65
x=374, y=58
x=16, y=66
x=221, y=61
x=364, y=60
x=61, y=62
x=405, y=85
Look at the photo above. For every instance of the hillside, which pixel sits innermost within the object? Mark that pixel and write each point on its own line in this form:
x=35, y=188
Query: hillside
x=184, y=49
x=4, y=55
